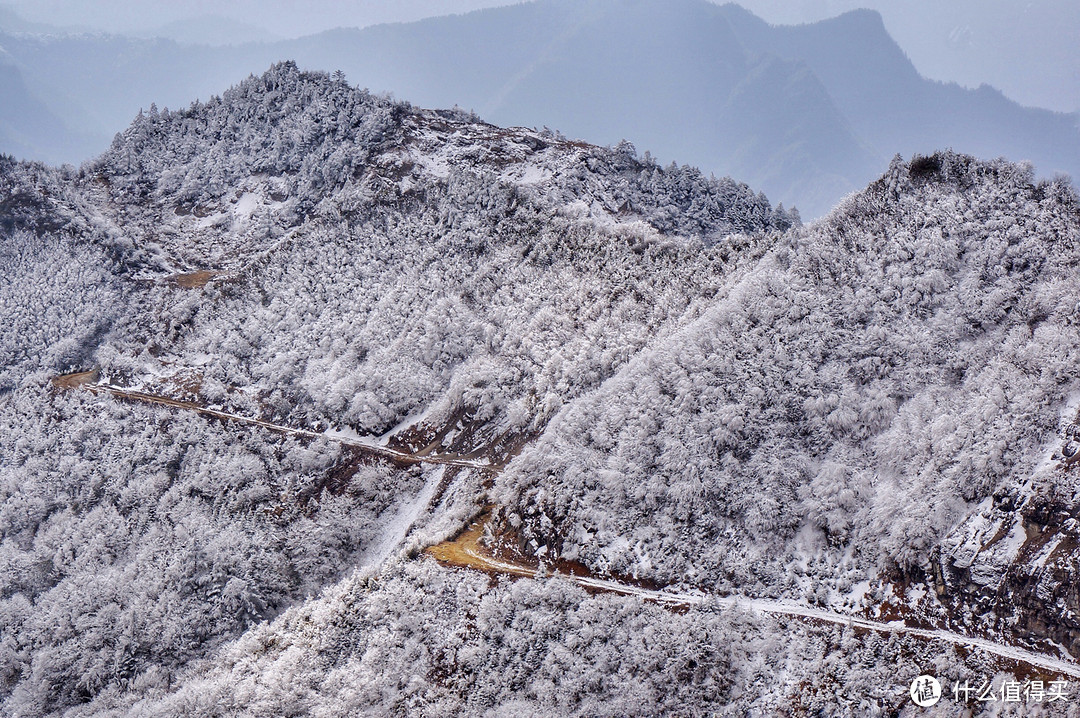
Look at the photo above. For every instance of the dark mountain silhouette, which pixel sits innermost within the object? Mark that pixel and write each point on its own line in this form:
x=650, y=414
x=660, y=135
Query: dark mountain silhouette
x=896, y=110
x=210, y=30
x=674, y=77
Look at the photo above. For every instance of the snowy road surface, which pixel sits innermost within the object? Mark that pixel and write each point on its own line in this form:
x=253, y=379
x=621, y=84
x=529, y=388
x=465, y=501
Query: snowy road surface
x=340, y=437
x=466, y=551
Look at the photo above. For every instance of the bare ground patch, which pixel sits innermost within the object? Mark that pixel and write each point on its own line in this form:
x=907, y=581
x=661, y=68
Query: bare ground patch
x=76, y=380
x=194, y=280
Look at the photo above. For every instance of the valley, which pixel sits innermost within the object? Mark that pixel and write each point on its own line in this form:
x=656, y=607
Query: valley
x=470, y=549
x=316, y=402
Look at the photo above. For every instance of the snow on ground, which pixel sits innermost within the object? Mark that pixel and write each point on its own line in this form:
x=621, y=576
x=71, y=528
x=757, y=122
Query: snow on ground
x=1001, y=555
x=246, y=205
x=397, y=527
x=1040, y=560
x=790, y=608
x=350, y=436
x=414, y=419
x=528, y=174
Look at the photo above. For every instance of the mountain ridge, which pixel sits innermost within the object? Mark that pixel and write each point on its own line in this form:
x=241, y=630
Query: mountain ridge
x=653, y=374
x=689, y=83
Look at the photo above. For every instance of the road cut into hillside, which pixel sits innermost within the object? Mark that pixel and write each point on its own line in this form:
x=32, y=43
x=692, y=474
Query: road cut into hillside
x=467, y=551
x=82, y=380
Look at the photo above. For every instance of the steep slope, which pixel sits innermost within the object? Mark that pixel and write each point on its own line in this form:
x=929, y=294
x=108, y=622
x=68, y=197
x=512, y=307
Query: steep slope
x=672, y=75
x=302, y=251
x=876, y=398
x=319, y=330
x=693, y=82
x=444, y=307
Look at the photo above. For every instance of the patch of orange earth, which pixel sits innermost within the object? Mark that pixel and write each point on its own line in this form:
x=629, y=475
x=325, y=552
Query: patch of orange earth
x=74, y=381
x=194, y=280
x=466, y=551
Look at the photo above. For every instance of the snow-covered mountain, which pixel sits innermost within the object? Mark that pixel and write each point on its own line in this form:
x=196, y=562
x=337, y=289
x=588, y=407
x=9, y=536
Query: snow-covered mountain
x=806, y=113
x=322, y=330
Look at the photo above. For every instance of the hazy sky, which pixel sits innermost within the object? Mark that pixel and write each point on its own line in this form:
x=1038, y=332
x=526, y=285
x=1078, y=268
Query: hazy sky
x=1029, y=50
x=283, y=18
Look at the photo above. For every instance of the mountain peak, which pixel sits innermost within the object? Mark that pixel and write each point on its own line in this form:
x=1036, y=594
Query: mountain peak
x=311, y=138
x=863, y=17
x=285, y=121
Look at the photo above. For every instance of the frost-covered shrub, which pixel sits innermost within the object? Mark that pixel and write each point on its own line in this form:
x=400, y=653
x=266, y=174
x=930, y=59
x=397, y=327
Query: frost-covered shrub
x=428, y=641
x=135, y=539
x=57, y=300
x=873, y=378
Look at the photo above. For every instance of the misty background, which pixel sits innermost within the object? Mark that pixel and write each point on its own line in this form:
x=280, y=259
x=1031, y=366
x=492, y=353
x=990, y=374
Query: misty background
x=1028, y=50
x=807, y=101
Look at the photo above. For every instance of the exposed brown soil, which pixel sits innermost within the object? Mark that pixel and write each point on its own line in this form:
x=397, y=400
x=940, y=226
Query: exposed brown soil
x=501, y=557
x=464, y=437
x=74, y=381
x=194, y=280
x=362, y=449
x=225, y=416
x=185, y=385
x=466, y=551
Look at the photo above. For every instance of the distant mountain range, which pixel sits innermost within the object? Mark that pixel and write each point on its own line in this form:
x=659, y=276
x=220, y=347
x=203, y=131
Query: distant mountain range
x=29, y=128
x=807, y=113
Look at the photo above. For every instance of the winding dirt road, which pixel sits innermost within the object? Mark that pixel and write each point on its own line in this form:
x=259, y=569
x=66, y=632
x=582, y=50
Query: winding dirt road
x=341, y=438
x=466, y=551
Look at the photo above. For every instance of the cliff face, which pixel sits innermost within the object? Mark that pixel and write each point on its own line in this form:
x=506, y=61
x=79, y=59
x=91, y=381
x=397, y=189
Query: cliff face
x=1021, y=581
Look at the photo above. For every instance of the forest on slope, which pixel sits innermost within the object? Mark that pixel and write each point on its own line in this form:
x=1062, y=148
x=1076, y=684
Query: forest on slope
x=704, y=392
x=875, y=377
